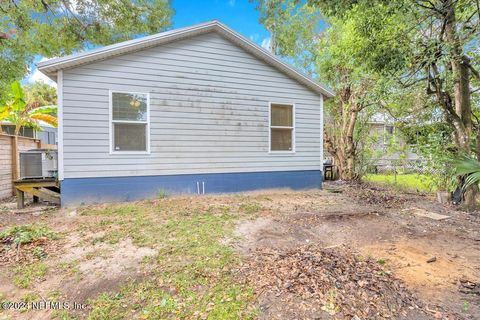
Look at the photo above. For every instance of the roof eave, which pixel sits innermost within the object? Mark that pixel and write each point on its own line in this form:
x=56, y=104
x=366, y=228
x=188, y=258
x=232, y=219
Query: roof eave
x=50, y=67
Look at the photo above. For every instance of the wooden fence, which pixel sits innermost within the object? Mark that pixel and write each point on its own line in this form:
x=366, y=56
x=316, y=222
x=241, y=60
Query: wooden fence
x=9, y=159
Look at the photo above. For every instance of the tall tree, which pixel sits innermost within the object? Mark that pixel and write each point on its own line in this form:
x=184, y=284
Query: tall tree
x=59, y=27
x=429, y=44
x=435, y=46
x=293, y=29
x=358, y=96
x=332, y=55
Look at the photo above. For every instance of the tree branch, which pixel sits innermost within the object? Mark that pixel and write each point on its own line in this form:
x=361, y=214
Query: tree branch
x=473, y=70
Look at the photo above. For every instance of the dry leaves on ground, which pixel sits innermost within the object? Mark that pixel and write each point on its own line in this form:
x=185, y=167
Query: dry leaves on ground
x=335, y=280
x=375, y=196
x=11, y=253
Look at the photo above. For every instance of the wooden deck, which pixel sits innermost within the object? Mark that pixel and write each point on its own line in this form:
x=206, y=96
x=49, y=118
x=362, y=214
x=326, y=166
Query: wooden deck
x=46, y=189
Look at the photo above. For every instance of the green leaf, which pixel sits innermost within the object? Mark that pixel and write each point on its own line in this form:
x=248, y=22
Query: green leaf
x=17, y=91
x=44, y=110
x=472, y=179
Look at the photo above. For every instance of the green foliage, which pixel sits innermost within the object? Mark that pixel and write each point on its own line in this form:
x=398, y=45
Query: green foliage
x=335, y=53
x=26, y=234
x=192, y=271
x=59, y=27
x=433, y=143
x=25, y=275
x=45, y=94
x=162, y=194
x=381, y=261
x=27, y=108
x=250, y=207
x=402, y=40
x=470, y=168
x=39, y=253
x=385, y=56
x=293, y=29
x=404, y=182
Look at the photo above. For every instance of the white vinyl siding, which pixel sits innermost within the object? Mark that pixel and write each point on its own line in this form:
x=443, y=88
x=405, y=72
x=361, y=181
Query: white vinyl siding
x=209, y=112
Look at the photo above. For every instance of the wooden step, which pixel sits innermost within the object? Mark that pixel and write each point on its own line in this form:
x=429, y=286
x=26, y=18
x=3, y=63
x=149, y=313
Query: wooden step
x=50, y=195
x=50, y=192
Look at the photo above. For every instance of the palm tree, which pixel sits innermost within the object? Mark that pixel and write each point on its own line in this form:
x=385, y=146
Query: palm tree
x=469, y=168
x=23, y=111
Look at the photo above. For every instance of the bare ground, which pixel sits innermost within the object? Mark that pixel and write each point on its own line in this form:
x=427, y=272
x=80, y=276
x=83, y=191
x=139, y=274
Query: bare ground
x=343, y=221
x=374, y=223
x=79, y=266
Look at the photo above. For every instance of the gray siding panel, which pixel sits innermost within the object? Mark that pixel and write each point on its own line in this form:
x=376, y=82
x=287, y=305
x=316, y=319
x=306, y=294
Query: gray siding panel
x=208, y=112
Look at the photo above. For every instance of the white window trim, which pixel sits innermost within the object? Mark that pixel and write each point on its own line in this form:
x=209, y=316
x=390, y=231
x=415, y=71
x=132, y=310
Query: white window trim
x=270, y=127
x=111, y=121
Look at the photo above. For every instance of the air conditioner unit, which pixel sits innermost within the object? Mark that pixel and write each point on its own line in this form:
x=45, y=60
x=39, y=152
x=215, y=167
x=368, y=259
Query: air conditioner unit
x=38, y=163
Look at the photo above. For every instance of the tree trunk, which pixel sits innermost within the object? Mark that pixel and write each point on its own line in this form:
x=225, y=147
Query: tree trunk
x=15, y=160
x=461, y=78
x=343, y=148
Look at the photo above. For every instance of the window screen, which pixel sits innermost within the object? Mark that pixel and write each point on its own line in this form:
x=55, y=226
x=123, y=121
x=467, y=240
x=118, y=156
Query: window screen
x=281, y=127
x=129, y=137
x=129, y=121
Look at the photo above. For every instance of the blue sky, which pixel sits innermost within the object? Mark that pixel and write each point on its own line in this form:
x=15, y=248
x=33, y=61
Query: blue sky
x=239, y=15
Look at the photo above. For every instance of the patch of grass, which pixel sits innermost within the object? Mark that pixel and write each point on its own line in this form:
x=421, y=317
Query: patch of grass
x=31, y=297
x=71, y=268
x=63, y=314
x=191, y=277
x=381, y=262
x=404, y=182
x=26, y=234
x=39, y=253
x=250, y=207
x=54, y=295
x=24, y=275
x=162, y=194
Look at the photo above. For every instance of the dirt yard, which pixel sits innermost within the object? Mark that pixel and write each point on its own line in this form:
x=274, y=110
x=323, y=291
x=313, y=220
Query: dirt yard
x=345, y=252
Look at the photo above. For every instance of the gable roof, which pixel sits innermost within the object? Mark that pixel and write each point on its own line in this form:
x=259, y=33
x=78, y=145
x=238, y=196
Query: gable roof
x=50, y=67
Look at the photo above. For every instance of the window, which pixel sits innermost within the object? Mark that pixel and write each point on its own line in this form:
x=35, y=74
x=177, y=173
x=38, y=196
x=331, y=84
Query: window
x=282, y=127
x=24, y=131
x=129, y=122
x=389, y=129
x=387, y=134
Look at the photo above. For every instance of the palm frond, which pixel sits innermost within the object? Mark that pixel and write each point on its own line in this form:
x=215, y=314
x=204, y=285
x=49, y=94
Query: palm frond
x=5, y=112
x=470, y=168
x=473, y=178
x=44, y=110
x=51, y=120
x=466, y=166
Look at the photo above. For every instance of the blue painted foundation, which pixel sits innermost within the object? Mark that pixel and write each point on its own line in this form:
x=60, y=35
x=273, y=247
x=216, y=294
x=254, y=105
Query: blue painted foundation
x=79, y=191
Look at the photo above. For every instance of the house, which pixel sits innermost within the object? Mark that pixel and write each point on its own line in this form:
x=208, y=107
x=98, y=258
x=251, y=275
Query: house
x=194, y=110
x=390, y=150
x=48, y=134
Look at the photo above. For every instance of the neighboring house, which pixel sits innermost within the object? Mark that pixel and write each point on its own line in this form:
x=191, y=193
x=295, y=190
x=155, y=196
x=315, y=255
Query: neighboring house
x=194, y=110
x=48, y=135
x=390, y=149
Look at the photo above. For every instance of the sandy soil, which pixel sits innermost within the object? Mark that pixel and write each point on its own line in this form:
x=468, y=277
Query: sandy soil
x=79, y=267
x=372, y=222
x=375, y=223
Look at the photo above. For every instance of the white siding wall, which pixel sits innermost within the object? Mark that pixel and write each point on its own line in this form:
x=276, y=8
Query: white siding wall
x=209, y=112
